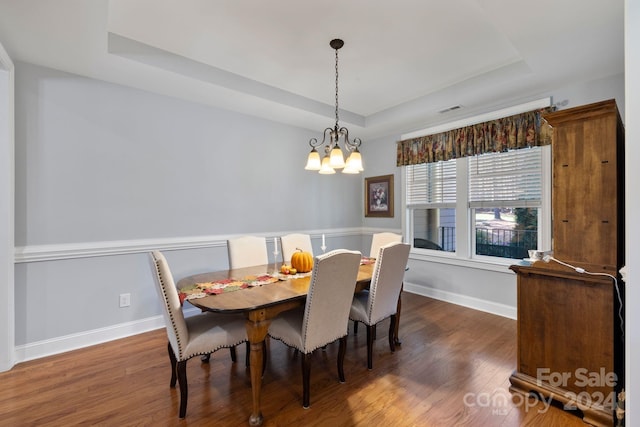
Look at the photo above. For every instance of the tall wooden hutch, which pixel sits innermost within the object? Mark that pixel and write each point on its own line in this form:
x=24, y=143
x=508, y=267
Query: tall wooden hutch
x=570, y=337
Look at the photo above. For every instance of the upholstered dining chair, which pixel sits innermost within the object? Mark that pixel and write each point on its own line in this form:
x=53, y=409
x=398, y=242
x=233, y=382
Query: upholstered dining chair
x=200, y=334
x=292, y=242
x=247, y=251
x=382, y=299
x=381, y=239
x=377, y=241
x=325, y=315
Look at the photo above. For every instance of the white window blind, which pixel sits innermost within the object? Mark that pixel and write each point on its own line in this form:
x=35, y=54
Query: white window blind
x=431, y=184
x=511, y=179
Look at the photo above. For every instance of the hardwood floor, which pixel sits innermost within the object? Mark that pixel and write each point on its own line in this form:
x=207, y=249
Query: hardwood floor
x=451, y=370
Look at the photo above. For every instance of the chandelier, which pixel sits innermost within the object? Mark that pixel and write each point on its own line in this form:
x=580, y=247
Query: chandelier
x=334, y=157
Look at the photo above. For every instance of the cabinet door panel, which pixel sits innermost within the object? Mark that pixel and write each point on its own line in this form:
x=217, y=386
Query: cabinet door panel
x=585, y=191
x=565, y=325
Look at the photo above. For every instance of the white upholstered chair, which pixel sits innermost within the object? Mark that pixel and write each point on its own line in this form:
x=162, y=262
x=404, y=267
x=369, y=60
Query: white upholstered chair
x=382, y=299
x=192, y=336
x=381, y=239
x=247, y=251
x=325, y=316
x=292, y=242
x=377, y=241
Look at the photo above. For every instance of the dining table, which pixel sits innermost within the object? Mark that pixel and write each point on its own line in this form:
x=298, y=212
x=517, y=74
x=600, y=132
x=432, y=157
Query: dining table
x=260, y=304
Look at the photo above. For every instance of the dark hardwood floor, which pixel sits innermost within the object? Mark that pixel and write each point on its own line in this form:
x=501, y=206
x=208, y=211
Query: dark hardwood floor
x=451, y=370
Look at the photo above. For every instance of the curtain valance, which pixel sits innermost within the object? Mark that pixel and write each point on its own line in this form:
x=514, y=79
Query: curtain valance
x=508, y=133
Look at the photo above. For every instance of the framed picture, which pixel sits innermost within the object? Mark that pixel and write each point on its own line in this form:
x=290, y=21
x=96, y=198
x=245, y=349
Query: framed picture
x=378, y=196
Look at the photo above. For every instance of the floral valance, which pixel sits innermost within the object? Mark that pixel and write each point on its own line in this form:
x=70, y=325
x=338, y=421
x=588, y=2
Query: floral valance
x=509, y=133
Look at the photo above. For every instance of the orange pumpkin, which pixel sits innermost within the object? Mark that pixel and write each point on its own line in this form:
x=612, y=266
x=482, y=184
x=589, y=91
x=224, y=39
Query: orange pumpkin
x=302, y=261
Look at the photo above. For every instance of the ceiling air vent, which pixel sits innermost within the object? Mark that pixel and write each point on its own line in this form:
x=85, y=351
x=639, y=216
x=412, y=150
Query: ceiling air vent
x=446, y=110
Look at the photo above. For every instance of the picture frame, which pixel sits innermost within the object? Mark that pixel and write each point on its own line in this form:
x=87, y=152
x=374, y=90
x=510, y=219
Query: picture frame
x=378, y=196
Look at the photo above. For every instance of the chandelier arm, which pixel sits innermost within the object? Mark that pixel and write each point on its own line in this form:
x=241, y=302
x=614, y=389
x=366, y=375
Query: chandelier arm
x=348, y=144
x=314, y=143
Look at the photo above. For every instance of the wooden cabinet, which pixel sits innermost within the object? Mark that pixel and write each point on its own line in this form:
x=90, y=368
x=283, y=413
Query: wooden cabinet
x=588, y=186
x=569, y=341
x=570, y=344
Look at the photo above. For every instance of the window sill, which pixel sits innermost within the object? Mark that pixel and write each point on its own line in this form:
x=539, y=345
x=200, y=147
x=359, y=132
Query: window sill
x=486, y=263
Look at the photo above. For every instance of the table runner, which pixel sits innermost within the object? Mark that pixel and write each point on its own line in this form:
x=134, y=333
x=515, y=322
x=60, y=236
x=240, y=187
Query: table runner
x=204, y=289
x=201, y=290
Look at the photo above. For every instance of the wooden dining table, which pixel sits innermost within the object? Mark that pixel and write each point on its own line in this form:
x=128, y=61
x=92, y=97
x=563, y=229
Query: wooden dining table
x=261, y=304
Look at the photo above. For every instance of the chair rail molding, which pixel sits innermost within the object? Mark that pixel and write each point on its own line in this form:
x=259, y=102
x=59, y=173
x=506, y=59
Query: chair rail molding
x=373, y=230
x=54, y=252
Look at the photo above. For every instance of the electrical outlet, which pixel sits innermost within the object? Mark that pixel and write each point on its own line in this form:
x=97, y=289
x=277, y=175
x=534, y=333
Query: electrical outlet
x=125, y=300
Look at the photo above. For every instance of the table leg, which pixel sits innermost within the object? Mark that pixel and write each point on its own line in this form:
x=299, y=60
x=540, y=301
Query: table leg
x=396, y=337
x=257, y=326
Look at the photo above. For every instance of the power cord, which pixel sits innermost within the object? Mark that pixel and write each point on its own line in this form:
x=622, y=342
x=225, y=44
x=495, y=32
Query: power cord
x=548, y=258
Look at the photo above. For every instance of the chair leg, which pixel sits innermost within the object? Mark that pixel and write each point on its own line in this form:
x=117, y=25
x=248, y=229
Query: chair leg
x=205, y=358
x=247, y=354
x=355, y=327
x=392, y=333
x=370, y=334
x=174, y=362
x=342, y=350
x=234, y=357
x=182, y=380
x=306, y=374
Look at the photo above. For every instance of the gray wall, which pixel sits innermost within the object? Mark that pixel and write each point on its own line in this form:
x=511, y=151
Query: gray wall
x=103, y=169
x=105, y=173
x=98, y=162
x=632, y=201
x=7, y=315
x=476, y=284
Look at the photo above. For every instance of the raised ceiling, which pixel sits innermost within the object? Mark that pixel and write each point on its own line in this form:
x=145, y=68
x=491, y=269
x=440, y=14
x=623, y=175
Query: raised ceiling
x=402, y=63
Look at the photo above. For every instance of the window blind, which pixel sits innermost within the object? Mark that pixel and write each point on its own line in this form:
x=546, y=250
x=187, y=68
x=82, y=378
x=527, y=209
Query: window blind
x=431, y=184
x=510, y=179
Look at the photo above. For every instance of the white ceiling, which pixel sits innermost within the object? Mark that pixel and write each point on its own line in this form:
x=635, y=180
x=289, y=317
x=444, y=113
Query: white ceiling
x=403, y=61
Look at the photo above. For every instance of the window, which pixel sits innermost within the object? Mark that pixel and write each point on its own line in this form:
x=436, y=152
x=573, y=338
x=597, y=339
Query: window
x=495, y=201
x=431, y=198
x=505, y=196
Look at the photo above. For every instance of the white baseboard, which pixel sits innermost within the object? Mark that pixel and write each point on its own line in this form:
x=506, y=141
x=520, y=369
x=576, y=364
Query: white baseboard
x=66, y=343
x=463, y=300
x=71, y=342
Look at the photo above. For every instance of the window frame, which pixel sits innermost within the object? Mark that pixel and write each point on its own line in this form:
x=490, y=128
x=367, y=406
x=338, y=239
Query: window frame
x=437, y=196
x=464, y=254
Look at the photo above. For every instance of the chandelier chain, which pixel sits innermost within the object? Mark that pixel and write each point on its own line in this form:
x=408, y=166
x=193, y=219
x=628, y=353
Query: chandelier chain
x=336, y=89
